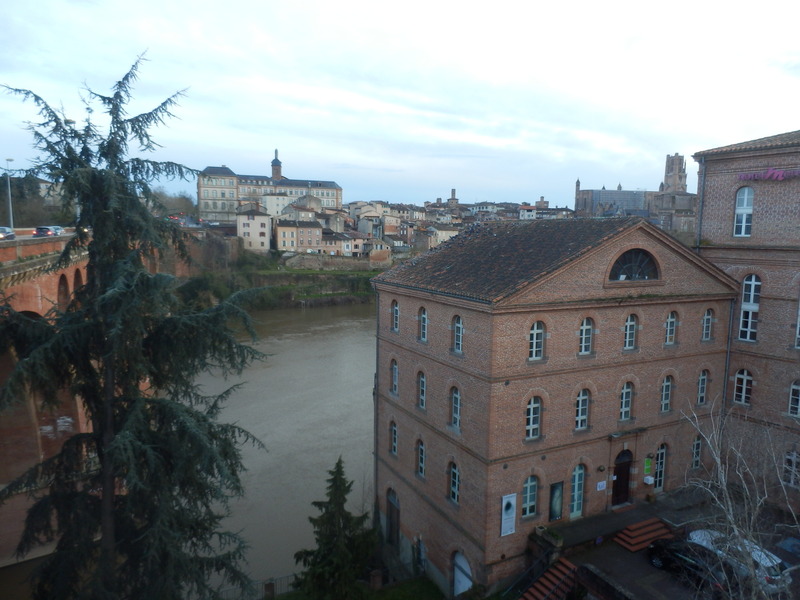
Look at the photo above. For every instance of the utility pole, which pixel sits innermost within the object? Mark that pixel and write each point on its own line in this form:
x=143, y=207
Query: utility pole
x=8, y=180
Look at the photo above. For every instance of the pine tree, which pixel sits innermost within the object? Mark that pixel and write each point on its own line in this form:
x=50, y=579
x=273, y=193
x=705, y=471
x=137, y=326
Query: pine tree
x=344, y=545
x=135, y=505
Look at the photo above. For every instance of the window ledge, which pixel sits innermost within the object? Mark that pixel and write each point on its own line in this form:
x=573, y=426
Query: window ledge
x=586, y=355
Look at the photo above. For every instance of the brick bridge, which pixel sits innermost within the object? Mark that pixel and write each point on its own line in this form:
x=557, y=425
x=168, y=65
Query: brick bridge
x=29, y=433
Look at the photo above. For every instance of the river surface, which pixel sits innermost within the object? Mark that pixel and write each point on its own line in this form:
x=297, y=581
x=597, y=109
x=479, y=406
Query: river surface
x=309, y=402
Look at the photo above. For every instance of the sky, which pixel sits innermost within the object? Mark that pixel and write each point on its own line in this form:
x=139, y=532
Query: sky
x=503, y=101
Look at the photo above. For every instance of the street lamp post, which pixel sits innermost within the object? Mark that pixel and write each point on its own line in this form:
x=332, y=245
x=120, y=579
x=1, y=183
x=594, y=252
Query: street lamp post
x=8, y=179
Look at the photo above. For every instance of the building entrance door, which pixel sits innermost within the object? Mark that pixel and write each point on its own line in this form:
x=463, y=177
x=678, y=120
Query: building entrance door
x=620, y=489
x=462, y=574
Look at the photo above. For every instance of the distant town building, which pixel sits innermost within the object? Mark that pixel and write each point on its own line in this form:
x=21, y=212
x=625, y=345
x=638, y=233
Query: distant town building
x=254, y=226
x=219, y=190
x=671, y=207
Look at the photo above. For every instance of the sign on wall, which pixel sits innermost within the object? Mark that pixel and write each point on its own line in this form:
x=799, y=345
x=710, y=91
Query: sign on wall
x=508, y=514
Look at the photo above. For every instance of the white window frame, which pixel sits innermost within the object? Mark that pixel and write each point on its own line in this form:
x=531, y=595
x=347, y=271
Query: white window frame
x=743, y=387
x=530, y=493
x=455, y=483
x=420, y=458
x=458, y=335
x=536, y=341
x=582, y=410
x=660, y=468
x=794, y=399
x=422, y=389
x=702, y=387
x=666, y=393
x=751, y=298
x=697, y=449
x=791, y=469
x=707, y=330
x=576, y=491
x=626, y=401
x=455, y=407
x=671, y=329
x=423, y=324
x=533, y=418
x=393, y=438
x=743, y=217
x=395, y=316
x=585, y=336
x=629, y=332
x=395, y=376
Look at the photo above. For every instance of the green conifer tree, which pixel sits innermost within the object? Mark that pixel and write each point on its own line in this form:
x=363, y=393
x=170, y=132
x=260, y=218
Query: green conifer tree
x=344, y=545
x=134, y=505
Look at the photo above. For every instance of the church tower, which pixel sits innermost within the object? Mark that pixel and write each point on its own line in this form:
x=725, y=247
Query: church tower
x=276, y=167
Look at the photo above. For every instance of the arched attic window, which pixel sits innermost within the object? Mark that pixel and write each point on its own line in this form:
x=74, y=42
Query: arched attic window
x=634, y=265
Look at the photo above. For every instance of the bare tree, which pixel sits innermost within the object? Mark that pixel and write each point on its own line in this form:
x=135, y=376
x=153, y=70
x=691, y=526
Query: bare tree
x=746, y=481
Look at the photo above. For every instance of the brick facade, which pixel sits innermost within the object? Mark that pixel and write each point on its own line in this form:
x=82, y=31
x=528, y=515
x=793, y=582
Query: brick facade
x=770, y=250
x=496, y=380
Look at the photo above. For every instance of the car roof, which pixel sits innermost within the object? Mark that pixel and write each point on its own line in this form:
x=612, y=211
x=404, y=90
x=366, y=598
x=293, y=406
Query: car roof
x=759, y=554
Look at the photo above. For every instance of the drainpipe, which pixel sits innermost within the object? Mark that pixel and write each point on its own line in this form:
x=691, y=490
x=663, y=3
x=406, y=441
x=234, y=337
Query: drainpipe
x=376, y=519
x=702, y=193
x=726, y=371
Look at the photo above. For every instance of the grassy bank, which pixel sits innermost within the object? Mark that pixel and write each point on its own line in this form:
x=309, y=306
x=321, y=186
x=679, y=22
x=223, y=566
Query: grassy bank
x=282, y=288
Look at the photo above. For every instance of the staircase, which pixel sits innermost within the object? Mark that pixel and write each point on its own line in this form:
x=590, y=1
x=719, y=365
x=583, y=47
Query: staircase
x=554, y=584
x=639, y=535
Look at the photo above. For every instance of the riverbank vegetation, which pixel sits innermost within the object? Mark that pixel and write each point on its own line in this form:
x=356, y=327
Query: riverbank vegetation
x=280, y=287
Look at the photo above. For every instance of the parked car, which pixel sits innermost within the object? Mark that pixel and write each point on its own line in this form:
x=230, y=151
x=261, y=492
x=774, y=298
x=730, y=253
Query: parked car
x=49, y=230
x=698, y=567
x=769, y=570
x=6, y=233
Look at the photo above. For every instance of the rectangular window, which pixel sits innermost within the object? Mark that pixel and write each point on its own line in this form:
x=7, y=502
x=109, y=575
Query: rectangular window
x=455, y=483
x=533, y=417
x=536, y=341
x=697, y=447
x=794, y=399
x=743, y=387
x=666, y=393
x=702, y=387
x=708, y=321
x=629, y=342
x=585, y=337
x=791, y=469
x=670, y=327
x=625, y=398
x=582, y=410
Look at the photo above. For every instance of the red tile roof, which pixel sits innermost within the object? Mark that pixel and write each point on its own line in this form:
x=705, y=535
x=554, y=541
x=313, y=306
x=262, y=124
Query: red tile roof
x=489, y=261
x=782, y=140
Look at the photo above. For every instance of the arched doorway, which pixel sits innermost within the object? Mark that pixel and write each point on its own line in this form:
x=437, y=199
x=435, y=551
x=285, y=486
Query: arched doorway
x=620, y=489
x=63, y=293
x=462, y=574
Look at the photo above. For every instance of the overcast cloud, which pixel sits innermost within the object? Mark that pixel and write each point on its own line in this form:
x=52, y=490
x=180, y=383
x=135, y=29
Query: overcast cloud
x=504, y=101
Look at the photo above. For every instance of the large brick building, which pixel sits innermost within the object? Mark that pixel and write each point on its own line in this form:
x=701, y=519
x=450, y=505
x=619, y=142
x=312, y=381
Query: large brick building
x=749, y=225
x=534, y=372
x=529, y=374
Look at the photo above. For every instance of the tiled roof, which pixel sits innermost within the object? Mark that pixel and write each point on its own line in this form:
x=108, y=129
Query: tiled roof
x=490, y=261
x=218, y=171
x=782, y=140
x=291, y=223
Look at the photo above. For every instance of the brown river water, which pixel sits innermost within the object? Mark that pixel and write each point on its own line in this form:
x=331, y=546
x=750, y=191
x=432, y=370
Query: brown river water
x=309, y=403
